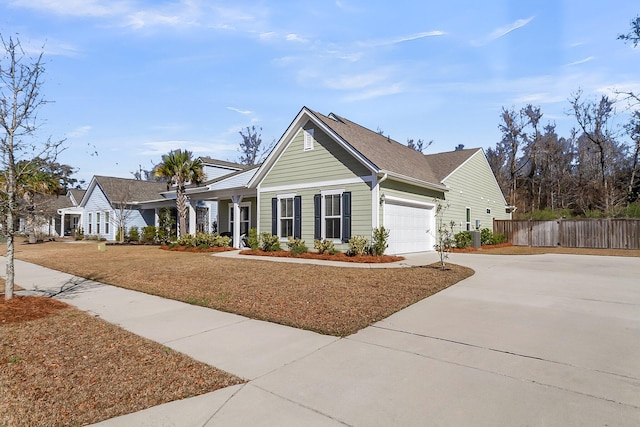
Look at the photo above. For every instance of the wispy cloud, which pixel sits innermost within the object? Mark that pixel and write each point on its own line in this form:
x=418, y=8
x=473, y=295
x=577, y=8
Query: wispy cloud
x=158, y=148
x=356, y=82
x=237, y=110
x=582, y=61
x=504, y=30
x=295, y=38
x=401, y=39
x=376, y=92
x=93, y=8
x=79, y=132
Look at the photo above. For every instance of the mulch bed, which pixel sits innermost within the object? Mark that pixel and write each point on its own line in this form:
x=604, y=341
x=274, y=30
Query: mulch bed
x=62, y=367
x=326, y=257
x=485, y=247
x=197, y=250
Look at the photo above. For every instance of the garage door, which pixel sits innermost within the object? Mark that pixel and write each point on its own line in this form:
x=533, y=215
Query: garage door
x=410, y=227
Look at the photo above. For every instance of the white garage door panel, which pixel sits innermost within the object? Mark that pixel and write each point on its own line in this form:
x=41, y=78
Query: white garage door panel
x=409, y=228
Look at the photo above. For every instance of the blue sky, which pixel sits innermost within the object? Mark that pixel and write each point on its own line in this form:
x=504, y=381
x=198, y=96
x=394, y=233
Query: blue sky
x=133, y=79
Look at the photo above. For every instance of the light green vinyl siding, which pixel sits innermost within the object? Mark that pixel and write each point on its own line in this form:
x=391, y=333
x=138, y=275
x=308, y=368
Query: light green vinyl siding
x=406, y=191
x=223, y=213
x=473, y=186
x=360, y=210
x=327, y=161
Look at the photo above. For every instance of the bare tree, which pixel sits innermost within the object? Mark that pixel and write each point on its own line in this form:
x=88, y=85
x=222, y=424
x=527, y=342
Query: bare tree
x=633, y=129
x=633, y=35
x=251, y=146
x=512, y=128
x=593, y=119
x=419, y=145
x=20, y=100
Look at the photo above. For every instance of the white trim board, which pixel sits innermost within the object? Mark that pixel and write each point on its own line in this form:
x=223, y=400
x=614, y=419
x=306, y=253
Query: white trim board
x=316, y=184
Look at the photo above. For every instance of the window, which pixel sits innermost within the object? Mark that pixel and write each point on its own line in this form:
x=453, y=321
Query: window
x=286, y=217
x=332, y=213
x=106, y=222
x=245, y=218
x=308, y=139
x=332, y=216
x=90, y=223
x=97, y=222
x=468, y=219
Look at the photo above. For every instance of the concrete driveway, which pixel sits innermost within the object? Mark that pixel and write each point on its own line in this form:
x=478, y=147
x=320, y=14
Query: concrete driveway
x=541, y=340
x=544, y=340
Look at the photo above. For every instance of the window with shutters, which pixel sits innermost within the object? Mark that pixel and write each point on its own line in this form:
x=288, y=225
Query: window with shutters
x=285, y=214
x=332, y=216
x=308, y=139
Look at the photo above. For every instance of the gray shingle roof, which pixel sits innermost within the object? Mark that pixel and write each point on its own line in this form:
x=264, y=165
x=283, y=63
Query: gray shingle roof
x=442, y=164
x=210, y=161
x=385, y=153
x=120, y=190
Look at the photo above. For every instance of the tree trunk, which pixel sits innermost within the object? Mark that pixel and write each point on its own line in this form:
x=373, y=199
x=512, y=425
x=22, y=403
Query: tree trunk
x=181, y=205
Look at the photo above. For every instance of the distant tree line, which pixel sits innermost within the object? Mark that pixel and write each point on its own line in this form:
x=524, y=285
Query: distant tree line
x=592, y=171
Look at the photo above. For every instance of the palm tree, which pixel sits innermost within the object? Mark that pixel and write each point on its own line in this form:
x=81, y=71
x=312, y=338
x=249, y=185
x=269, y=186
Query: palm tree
x=33, y=178
x=179, y=169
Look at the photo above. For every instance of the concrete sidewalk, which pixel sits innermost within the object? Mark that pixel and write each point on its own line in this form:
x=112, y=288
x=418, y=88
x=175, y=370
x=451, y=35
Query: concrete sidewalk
x=547, y=340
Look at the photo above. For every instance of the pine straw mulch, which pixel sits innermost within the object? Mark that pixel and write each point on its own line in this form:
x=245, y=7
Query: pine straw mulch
x=330, y=300
x=340, y=256
x=62, y=367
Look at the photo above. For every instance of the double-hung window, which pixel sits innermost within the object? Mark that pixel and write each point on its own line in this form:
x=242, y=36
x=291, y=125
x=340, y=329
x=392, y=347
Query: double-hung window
x=106, y=222
x=97, y=222
x=333, y=215
x=286, y=217
x=90, y=223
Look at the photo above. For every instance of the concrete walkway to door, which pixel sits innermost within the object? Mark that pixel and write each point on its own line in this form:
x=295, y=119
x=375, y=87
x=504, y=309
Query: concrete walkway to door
x=539, y=340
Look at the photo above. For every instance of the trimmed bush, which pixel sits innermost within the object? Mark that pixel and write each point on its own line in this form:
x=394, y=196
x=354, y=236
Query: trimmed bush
x=463, y=239
x=149, y=234
x=325, y=247
x=253, y=241
x=269, y=242
x=358, y=245
x=134, y=234
x=380, y=240
x=297, y=246
x=498, y=239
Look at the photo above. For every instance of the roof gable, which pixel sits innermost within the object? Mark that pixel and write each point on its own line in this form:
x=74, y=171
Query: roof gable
x=385, y=153
x=444, y=164
x=378, y=153
x=124, y=190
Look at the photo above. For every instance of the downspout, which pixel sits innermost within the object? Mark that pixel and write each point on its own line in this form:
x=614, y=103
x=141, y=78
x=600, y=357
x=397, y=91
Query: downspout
x=376, y=201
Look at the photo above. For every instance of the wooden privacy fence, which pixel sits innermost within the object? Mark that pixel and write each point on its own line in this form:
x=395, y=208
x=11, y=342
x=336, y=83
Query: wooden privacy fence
x=609, y=233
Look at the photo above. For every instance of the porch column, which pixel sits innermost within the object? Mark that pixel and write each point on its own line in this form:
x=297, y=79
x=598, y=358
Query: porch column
x=156, y=217
x=236, y=220
x=61, y=224
x=192, y=217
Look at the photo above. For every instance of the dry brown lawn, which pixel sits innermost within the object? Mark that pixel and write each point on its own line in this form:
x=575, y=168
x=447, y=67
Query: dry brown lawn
x=329, y=300
x=62, y=367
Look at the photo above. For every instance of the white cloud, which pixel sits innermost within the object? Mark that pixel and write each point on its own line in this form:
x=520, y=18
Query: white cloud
x=79, y=132
x=401, y=39
x=295, y=38
x=237, y=110
x=376, y=92
x=582, y=61
x=503, y=31
x=94, y=8
x=354, y=82
x=158, y=148
x=267, y=35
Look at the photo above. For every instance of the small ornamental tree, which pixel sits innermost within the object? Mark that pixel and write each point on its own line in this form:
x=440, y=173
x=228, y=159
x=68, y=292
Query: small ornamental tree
x=444, y=233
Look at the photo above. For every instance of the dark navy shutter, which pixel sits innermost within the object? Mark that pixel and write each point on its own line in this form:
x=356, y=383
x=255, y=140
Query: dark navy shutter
x=317, y=217
x=297, y=217
x=346, y=216
x=274, y=216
